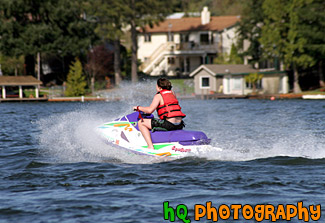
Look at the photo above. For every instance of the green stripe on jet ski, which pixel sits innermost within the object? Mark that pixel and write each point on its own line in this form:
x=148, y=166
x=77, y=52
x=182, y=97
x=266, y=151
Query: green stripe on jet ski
x=157, y=147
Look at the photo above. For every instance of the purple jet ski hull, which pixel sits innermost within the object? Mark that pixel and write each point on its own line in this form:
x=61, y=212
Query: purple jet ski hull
x=184, y=137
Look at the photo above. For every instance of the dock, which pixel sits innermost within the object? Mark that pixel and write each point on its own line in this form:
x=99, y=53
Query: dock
x=80, y=99
x=257, y=96
x=221, y=96
x=58, y=99
x=41, y=99
x=275, y=96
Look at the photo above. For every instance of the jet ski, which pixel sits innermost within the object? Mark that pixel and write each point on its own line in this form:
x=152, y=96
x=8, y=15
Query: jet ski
x=124, y=133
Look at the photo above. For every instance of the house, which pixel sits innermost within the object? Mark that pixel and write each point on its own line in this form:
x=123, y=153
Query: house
x=177, y=46
x=230, y=79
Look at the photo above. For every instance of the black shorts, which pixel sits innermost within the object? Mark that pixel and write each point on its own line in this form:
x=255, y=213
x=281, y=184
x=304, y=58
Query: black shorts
x=164, y=125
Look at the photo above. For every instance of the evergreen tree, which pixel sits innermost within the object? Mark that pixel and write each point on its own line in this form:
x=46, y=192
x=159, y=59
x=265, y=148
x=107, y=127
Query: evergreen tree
x=313, y=29
x=250, y=30
x=76, y=82
x=234, y=57
x=216, y=7
x=281, y=35
x=46, y=26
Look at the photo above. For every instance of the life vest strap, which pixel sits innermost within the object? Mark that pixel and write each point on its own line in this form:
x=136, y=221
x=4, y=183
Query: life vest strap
x=166, y=106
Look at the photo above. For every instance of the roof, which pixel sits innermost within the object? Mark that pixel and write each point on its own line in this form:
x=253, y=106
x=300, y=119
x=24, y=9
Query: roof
x=18, y=80
x=223, y=69
x=235, y=69
x=217, y=23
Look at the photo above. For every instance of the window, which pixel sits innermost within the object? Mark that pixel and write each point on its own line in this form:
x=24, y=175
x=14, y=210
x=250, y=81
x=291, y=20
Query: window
x=237, y=83
x=184, y=38
x=170, y=37
x=147, y=37
x=171, y=60
x=204, y=38
x=205, y=82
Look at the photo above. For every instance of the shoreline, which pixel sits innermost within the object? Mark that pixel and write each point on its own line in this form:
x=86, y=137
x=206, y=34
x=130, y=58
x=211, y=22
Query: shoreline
x=183, y=97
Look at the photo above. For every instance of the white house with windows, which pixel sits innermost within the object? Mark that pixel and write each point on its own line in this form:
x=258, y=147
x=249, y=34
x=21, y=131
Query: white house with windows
x=176, y=47
x=229, y=79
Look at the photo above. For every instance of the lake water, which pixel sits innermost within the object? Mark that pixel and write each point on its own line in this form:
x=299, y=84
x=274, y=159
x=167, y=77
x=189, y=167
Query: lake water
x=54, y=169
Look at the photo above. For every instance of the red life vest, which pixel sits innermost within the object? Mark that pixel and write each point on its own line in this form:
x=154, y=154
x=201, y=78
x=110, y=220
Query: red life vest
x=170, y=108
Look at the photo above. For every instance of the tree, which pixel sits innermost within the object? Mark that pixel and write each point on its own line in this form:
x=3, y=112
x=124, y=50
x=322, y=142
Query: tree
x=216, y=7
x=108, y=19
x=253, y=79
x=138, y=14
x=113, y=15
x=313, y=29
x=232, y=58
x=75, y=81
x=222, y=58
x=99, y=64
x=281, y=36
x=11, y=65
x=47, y=26
x=249, y=31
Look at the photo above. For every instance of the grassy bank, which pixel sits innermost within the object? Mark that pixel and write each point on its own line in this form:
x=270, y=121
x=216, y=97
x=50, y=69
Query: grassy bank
x=183, y=86
x=29, y=93
x=316, y=91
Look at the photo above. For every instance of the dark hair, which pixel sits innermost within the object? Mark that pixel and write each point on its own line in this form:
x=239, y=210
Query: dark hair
x=164, y=83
